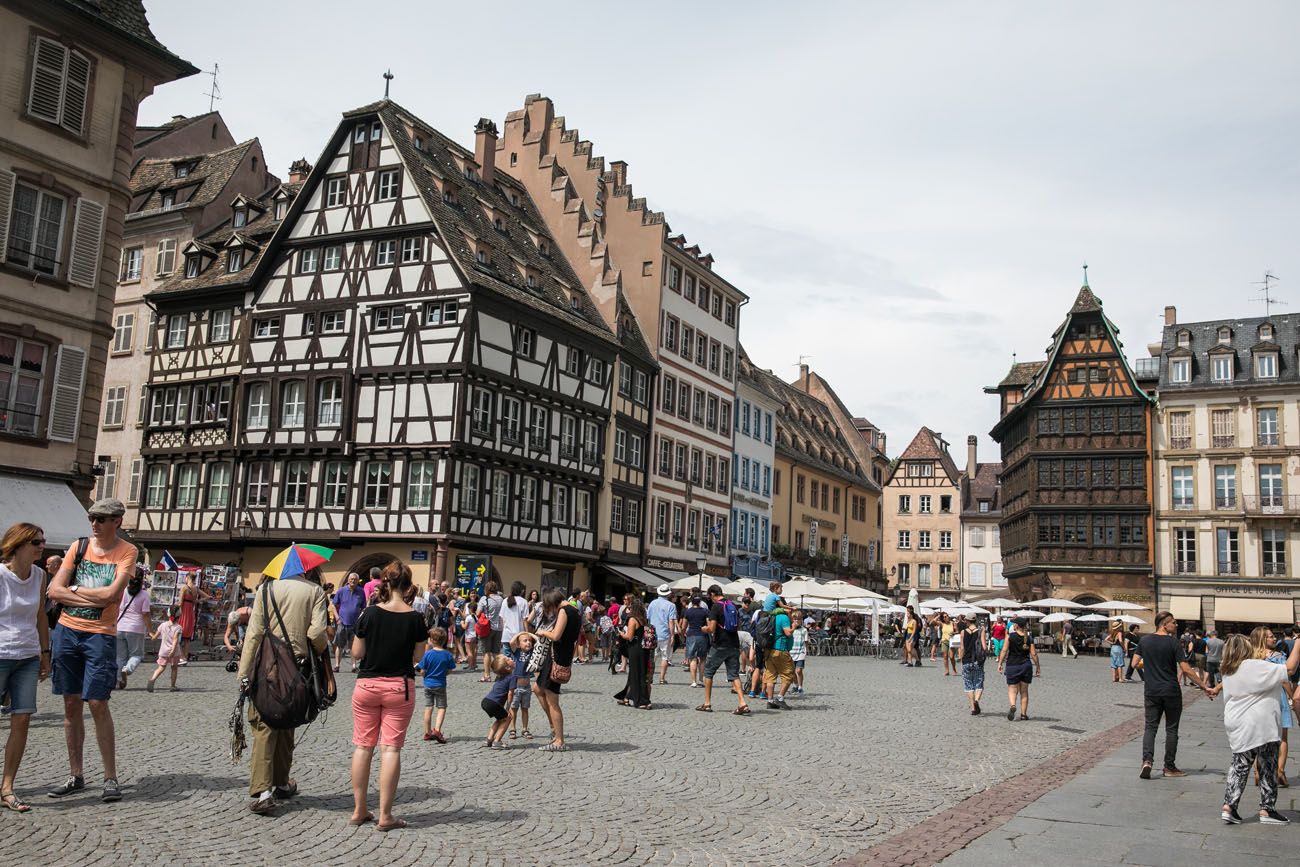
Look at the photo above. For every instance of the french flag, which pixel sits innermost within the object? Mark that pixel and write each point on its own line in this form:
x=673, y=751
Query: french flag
x=167, y=563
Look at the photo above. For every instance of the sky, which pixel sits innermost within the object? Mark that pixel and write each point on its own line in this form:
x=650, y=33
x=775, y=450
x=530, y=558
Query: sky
x=907, y=192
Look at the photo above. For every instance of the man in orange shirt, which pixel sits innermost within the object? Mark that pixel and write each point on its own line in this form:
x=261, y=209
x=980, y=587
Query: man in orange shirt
x=89, y=585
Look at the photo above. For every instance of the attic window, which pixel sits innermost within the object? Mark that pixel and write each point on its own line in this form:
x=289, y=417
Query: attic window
x=234, y=261
x=419, y=143
x=1184, y=339
x=514, y=158
x=471, y=173
x=168, y=200
x=192, y=266
x=1266, y=332
x=543, y=247
x=530, y=280
x=241, y=217
x=281, y=208
x=1225, y=334
x=482, y=255
x=359, y=134
x=183, y=170
x=375, y=129
x=499, y=224
x=514, y=198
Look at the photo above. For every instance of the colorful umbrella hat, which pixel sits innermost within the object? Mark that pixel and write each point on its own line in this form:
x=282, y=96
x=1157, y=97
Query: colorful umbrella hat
x=297, y=559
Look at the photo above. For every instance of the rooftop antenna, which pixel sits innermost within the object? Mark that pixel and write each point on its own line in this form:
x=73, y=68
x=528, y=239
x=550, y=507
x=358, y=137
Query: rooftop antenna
x=388, y=77
x=1266, y=294
x=215, y=92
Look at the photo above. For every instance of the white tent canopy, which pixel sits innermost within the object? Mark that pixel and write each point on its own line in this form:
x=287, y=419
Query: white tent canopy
x=1057, y=617
x=1053, y=602
x=1117, y=606
x=691, y=582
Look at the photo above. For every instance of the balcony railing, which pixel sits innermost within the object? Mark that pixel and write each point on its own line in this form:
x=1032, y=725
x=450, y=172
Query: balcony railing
x=1184, y=567
x=1146, y=368
x=1266, y=439
x=1229, y=567
x=1223, y=441
x=1180, y=442
x=1275, y=570
x=1272, y=504
x=1184, y=505
x=1225, y=502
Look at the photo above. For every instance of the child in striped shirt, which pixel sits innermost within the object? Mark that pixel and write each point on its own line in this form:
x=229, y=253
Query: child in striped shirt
x=798, y=654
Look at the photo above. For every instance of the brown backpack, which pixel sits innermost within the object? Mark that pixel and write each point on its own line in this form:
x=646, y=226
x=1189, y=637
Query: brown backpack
x=286, y=691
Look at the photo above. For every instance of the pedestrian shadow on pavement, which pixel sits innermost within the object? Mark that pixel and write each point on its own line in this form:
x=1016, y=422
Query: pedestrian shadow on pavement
x=342, y=801
x=610, y=747
x=167, y=787
x=436, y=818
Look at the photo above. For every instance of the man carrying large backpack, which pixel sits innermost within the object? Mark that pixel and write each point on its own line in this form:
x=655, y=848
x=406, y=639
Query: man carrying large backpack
x=300, y=602
x=723, y=625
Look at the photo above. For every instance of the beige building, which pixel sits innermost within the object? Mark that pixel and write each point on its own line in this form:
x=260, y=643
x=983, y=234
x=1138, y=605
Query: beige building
x=922, y=522
x=174, y=193
x=1227, y=499
x=981, y=509
x=74, y=75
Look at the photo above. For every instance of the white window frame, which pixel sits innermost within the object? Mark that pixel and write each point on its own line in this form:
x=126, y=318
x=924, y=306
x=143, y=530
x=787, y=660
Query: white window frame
x=412, y=250
x=1180, y=370
x=481, y=412
x=1221, y=368
x=221, y=325
x=114, y=406
x=258, y=407
x=155, y=494
x=187, y=486
x=511, y=412
x=124, y=332
x=333, y=322
x=132, y=264
x=336, y=192
x=385, y=252
x=379, y=485
x=218, y=489
x=309, y=260
x=338, y=483
x=1266, y=365
x=297, y=481
x=332, y=258
x=387, y=186
x=420, y=481
x=329, y=403
x=177, y=325
x=500, y=500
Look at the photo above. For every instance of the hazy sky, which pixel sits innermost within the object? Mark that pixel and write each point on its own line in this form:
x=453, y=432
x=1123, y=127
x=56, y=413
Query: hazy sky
x=906, y=191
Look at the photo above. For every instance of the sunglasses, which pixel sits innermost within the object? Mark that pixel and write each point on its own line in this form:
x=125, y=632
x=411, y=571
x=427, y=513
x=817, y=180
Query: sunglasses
x=39, y=543
x=101, y=519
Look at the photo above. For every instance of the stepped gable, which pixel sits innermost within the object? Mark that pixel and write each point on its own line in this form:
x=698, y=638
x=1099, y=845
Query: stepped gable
x=208, y=175
x=441, y=163
x=258, y=231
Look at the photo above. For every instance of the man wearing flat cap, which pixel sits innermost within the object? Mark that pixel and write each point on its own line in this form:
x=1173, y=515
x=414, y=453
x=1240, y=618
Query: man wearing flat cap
x=89, y=585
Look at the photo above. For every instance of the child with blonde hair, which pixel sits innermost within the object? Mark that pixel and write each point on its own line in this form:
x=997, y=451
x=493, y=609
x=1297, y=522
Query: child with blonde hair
x=494, y=703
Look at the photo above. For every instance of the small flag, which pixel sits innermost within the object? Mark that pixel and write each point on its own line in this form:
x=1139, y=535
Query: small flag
x=167, y=563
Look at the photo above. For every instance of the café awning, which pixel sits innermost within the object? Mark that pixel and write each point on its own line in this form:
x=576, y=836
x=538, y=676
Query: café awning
x=1245, y=610
x=48, y=504
x=636, y=575
x=1185, y=607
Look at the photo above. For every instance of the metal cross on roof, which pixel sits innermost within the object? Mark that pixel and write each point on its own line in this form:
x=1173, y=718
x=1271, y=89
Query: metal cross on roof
x=388, y=77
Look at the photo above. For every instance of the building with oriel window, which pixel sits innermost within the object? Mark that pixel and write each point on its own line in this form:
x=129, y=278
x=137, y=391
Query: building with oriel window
x=1227, y=441
x=422, y=373
x=75, y=73
x=1076, y=483
x=922, y=520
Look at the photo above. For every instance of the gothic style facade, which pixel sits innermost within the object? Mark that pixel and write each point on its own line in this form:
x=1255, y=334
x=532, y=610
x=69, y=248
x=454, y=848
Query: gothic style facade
x=1076, y=467
x=417, y=364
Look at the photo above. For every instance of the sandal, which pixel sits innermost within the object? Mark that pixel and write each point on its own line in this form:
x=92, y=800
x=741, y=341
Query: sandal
x=396, y=823
x=363, y=820
x=743, y=710
x=705, y=708
x=513, y=735
x=528, y=734
x=13, y=802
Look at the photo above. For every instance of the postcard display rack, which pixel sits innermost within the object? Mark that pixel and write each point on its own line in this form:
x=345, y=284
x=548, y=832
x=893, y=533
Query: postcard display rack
x=221, y=583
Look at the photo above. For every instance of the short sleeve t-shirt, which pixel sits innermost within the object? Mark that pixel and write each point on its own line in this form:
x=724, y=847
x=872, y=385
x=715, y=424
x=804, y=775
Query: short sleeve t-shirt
x=696, y=616
x=500, y=689
x=133, y=615
x=798, y=644
x=659, y=613
x=1252, y=714
x=1161, y=655
x=782, y=641
x=999, y=631
x=435, y=664
x=391, y=637
x=770, y=602
x=491, y=605
x=97, y=570
x=168, y=634
x=350, y=602
x=721, y=637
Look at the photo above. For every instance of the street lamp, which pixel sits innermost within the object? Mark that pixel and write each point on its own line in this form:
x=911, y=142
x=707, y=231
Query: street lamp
x=245, y=527
x=701, y=563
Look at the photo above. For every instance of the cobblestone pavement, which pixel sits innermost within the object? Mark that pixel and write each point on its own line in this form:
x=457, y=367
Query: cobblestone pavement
x=873, y=749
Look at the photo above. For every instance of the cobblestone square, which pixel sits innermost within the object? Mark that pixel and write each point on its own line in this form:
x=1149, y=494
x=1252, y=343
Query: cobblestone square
x=872, y=749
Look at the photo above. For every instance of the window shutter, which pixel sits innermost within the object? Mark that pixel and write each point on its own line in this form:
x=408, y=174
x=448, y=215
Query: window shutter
x=6, y=205
x=75, y=89
x=45, y=100
x=87, y=243
x=69, y=382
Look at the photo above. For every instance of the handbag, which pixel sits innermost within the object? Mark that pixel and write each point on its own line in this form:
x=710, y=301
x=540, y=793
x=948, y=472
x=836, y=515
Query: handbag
x=541, y=653
x=561, y=673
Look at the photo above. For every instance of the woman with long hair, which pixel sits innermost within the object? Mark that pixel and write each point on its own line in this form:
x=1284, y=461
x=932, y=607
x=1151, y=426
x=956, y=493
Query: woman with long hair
x=1020, y=663
x=1118, y=649
x=513, y=613
x=191, y=595
x=468, y=623
x=389, y=640
x=1263, y=645
x=24, y=643
x=640, y=663
x=490, y=645
x=912, y=629
x=1252, y=719
x=560, y=625
x=534, y=615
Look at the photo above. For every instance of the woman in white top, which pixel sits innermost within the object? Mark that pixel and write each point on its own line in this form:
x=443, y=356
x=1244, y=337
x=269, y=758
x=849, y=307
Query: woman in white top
x=1252, y=718
x=24, y=642
x=133, y=627
x=513, y=613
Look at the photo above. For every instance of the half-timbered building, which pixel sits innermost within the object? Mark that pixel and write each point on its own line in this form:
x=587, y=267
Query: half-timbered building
x=1076, y=467
x=422, y=371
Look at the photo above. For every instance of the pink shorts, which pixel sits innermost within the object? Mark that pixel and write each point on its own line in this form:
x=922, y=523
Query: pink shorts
x=381, y=711
x=174, y=659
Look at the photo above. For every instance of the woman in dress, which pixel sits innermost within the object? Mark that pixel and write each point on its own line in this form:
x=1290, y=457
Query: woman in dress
x=1264, y=646
x=1252, y=719
x=560, y=625
x=24, y=643
x=636, y=692
x=389, y=640
x=191, y=595
x=1118, y=650
x=133, y=627
x=1019, y=660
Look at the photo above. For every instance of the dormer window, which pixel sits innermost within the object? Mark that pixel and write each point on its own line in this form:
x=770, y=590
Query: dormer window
x=1225, y=334
x=359, y=134
x=241, y=218
x=168, y=200
x=499, y=224
x=376, y=129
x=1266, y=365
x=419, y=143
x=530, y=281
x=1180, y=370
x=281, y=208
x=234, y=260
x=192, y=266
x=1184, y=339
x=1221, y=368
x=1266, y=331
x=481, y=256
x=471, y=173
x=543, y=247
x=183, y=170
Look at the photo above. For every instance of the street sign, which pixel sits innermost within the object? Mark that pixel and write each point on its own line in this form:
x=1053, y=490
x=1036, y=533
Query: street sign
x=471, y=571
x=419, y=556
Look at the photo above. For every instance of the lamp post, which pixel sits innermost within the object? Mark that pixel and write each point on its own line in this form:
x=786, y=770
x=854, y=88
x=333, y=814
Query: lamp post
x=245, y=527
x=701, y=563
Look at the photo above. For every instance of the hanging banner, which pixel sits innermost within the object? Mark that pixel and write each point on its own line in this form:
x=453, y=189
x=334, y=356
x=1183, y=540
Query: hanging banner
x=812, y=538
x=844, y=550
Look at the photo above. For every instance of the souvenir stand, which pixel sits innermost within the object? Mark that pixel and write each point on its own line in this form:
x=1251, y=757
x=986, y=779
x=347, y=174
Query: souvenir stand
x=223, y=586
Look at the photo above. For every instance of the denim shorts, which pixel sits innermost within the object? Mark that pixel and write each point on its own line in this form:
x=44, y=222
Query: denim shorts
x=18, y=678
x=435, y=697
x=697, y=646
x=85, y=663
x=522, y=697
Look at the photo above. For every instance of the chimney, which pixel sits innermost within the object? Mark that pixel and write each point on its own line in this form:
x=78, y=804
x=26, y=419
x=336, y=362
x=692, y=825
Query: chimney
x=299, y=170
x=485, y=148
x=1171, y=315
x=972, y=448
x=176, y=118
x=803, y=377
x=619, y=170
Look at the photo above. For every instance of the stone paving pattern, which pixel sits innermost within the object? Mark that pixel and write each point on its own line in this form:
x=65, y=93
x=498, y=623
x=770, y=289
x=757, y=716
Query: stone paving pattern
x=873, y=750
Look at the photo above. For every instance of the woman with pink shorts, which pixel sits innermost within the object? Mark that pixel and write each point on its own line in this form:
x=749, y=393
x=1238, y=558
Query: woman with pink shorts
x=389, y=641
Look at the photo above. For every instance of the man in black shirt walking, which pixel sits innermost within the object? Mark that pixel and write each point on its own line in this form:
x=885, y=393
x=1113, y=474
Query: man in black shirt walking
x=1162, y=658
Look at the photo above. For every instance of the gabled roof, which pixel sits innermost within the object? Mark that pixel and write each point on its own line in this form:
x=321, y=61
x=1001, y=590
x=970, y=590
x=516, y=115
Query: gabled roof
x=985, y=486
x=210, y=173
x=146, y=135
x=927, y=445
x=439, y=156
x=630, y=336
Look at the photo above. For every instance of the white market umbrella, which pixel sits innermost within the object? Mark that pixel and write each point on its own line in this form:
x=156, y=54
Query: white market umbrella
x=1028, y=613
x=973, y=609
x=845, y=590
x=1092, y=618
x=1129, y=618
x=1057, y=617
x=691, y=582
x=738, y=588
x=996, y=603
x=940, y=602
x=1054, y=603
x=1117, y=606
x=914, y=599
